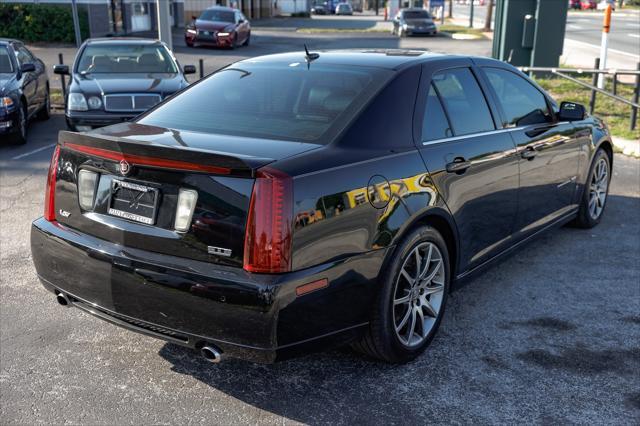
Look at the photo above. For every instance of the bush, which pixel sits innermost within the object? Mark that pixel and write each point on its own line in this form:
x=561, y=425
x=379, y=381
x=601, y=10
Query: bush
x=41, y=22
x=301, y=15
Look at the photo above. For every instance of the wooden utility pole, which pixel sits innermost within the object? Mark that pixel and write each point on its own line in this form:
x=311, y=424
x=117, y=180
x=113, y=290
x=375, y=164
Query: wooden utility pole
x=487, y=20
x=450, y=9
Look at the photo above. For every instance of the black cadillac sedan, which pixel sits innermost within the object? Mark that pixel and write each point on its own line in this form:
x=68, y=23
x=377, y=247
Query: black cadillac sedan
x=340, y=205
x=24, y=90
x=115, y=79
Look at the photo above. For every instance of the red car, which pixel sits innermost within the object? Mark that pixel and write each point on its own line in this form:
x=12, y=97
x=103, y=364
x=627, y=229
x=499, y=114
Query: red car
x=588, y=4
x=219, y=26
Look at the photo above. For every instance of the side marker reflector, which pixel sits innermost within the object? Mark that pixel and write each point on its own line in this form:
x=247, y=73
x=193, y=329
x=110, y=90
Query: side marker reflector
x=312, y=286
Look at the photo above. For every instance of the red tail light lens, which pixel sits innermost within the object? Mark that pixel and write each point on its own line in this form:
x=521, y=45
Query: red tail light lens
x=50, y=191
x=267, y=244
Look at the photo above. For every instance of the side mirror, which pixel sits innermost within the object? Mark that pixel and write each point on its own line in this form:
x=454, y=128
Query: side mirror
x=571, y=111
x=189, y=69
x=27, y=68
x=61, y=69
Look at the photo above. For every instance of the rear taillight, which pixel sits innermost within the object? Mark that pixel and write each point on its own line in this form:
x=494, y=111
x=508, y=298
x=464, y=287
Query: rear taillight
x=50, y=191
x=267, y=244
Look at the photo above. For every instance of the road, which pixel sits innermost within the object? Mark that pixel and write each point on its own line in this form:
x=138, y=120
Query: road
x=584, y=31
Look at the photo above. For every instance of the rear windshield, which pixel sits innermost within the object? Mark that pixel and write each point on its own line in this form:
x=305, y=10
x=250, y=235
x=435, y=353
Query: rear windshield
x=119, y=58
x=418, y=14
x=5, y=61
x=218, y=15
x=285, y=101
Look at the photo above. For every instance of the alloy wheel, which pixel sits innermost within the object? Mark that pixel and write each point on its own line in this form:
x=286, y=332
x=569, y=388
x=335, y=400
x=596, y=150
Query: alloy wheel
x=598, y=188
x=418, y=294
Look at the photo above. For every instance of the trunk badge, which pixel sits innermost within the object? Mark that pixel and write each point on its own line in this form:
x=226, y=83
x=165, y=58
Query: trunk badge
x=219, y=251
x=125, y=168
x=64, y=213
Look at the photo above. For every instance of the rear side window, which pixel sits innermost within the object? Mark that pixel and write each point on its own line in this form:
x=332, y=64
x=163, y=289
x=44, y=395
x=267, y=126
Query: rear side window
x=464, y=101
x=285, y=101
x=521, y=101
x=435, y=124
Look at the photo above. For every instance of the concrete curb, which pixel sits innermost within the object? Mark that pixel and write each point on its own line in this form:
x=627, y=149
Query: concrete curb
x=627, y=147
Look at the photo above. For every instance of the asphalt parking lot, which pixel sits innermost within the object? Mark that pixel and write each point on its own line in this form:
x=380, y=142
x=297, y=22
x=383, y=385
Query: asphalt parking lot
x=550, y=335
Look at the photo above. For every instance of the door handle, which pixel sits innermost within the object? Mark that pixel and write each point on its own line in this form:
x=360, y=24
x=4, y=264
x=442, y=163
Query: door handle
x=459, y=166
x=529, y=153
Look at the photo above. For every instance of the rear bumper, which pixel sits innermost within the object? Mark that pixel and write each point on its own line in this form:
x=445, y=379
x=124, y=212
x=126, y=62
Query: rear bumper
x=193, y=303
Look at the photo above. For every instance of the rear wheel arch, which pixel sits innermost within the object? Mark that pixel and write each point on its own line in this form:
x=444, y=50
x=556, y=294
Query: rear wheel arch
x=442, y=222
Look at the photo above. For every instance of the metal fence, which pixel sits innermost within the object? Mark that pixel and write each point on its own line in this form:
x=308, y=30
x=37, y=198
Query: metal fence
x=615, y=73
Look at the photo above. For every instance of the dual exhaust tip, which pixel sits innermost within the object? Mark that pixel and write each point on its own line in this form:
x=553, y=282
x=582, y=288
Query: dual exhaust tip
x=211, y=354
x=63, y=299
x=208, y=352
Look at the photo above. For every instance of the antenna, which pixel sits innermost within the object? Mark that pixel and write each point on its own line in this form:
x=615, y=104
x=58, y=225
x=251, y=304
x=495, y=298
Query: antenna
x=310, y=56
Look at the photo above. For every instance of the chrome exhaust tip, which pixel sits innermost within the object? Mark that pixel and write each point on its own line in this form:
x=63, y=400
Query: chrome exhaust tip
x=211, y=354
x=63, y=300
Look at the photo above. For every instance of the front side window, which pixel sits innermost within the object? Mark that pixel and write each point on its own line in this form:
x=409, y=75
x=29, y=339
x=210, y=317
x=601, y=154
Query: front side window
x=5, y=61
x=523, y=104
x=23, y=56
x=464, y=101
x=285, y=101
x=435, y=124
x=119, y=58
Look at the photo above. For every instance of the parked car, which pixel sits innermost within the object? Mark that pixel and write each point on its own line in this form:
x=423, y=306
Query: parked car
x=24, y=90
x=344, y=9
x=319, y=10
x=575, y=4
x=413, y=21
x=115, y=79
x=219, y=26
x=300, y=201
x=589, y=4
x=605, y=3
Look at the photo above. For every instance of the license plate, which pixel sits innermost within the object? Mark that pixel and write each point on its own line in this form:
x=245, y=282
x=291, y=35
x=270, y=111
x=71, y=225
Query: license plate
x=133, y=201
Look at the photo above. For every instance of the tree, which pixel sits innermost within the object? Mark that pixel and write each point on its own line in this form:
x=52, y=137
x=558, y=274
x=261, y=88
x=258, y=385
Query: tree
x=450, y=9
x=487, y=21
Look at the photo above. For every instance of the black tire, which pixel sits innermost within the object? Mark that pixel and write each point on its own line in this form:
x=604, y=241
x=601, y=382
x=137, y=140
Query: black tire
x=188, y=43
x=20, y=137
x=234, y=43
x=248, y=40
x=585, y=219
x=45, y=111
x=381, y=340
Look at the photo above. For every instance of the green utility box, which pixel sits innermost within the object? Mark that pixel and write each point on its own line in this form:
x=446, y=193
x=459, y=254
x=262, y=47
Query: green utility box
x=530, y=33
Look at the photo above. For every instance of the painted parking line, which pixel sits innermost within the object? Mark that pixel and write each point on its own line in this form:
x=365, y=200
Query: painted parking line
x=634, y=35
x=35, y=151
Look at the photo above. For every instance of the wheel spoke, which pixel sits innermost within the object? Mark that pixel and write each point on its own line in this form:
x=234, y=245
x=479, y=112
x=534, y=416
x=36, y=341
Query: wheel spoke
x=412, y=327
x=433, y=273
x=406, y=276
x=404, y=320
x=433, y=289
x=423, y=333
x=427, y=262
x=418, y=262
x=405, y=299
x=429, y=308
